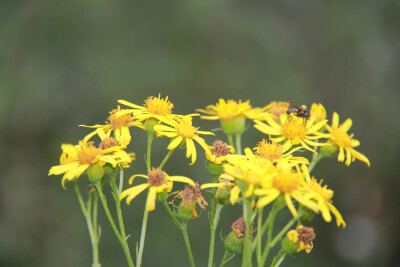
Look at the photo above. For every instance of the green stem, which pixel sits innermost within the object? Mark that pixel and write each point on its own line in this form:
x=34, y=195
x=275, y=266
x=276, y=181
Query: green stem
x=120, y=219
x=278, y=259
x=259, y=234
x=227, y=257
x=166, y=158
x=247, y=241
x=87, y=214
x=213, y=227
x=212, y=201
x=230, y=140
x=187, y=244
x=238, y=141
x=177, y=223
x=96, y=234
x=284, y=230
x=113, y=226
x=142, y=237
x=264, y=228
x=121, y=181
x=268, y=246
x=149, y=141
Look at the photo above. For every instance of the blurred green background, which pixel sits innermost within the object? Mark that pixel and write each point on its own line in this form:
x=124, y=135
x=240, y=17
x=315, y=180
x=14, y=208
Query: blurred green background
x=65, y=63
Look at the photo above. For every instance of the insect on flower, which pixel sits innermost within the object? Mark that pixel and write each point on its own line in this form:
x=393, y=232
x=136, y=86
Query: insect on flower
x=298, y=111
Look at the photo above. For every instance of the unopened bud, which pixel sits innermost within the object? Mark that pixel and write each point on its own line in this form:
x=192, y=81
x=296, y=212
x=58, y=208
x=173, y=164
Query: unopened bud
x=95, y=173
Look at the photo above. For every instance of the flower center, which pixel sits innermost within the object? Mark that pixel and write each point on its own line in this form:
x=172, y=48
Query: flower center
x=191, y=193
x=220, y=149
x=279, y=108
x=323, y=191
x=118, y=122
x=239, y=228
x=306, y=234
x=286, y=182
x=294, y=129
x=107, y=143
x=269, y=151
x=87, y=153
x=341, y=138
x=186, y=130
x=158, y=105
x=231, y=109
x=156, y=177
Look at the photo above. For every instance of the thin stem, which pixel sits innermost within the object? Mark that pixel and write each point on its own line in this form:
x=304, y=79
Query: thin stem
x=121, y=181
x=177, y=223
x=120, y=219
x=187, y=244
x=263, y=229
x=113, y=226
x=284, y=230
x=212, y=201
x=87, y=214
x=238, y=141
x=96, y=235
x=278, y=259
x=149, y=141
x=230, y=140
x=166, y=158
x=213, y=227
x=142, y=236
x=268, y=246
x=247, y=242
x=259, y=234
x=227, y=257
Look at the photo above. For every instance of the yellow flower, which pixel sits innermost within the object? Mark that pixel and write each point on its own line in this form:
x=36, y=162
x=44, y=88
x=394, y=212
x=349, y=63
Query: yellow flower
x=303, y=237
x=288, y=182
x=323, y=196
x=120, y=125
x=339, y=138
x=182, y=130
x=75, y=160
x=154, y=108
x=232, y=114
x=157, y=182
x=219, y=151
x=318, y=112
x=278, y=108
x=293, y=131
x=275, y=152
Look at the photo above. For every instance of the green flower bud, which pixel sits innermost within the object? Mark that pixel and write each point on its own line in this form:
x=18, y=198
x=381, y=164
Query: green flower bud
x=185, y=213
x=109, y=169
x=306, y=214
x=328, y=151
x=289, y=246
x=149, y=125
x=222, y=195
x=234, y=126
x=215, y=169
x=233, y=243
x=95, y=173
x=162, y=196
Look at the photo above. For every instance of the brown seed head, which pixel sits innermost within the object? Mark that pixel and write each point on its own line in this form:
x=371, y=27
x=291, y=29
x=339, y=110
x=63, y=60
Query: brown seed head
x=239, y=228
x=306, y=234
x=107, y=143
x=191, y=193
x=156, y=177
x=220, y=149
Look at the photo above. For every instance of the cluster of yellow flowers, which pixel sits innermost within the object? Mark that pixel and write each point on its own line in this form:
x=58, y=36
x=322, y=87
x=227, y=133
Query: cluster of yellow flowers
x=264, y=174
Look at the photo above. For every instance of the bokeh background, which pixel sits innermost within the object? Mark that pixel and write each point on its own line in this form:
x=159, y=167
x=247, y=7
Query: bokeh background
x=65, y=63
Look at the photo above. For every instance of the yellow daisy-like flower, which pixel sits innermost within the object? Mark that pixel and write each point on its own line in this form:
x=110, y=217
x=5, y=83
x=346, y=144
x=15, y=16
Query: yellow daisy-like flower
x=323, y=196
x=288, y=182
x=303, y=237
x=318, y=112
x=157, y=182
x=119, y=124
x=183, y=130
x=154, y=108
x=275, y=152
x=232, y=114
x=75, y=160
x=293, y=131
x=341, y=139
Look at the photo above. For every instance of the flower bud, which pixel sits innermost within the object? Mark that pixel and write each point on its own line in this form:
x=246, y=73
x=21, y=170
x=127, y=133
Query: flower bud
x=149, y=125
x=222, y=195
x=109, y=169
x=233, y=243
x=289, y=246
x=185, y=213
x=235, y=125
x=299, y=239
x=328, y=151
x=306, y=214
x=95, y=173
x=162, y=196
x=215, y=169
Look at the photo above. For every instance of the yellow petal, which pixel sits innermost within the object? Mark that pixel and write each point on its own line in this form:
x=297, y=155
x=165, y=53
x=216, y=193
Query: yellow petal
x=175, y=143
x=182, y=179
x=335, y=120
x=137, y=175
x=191, y=150
x=346, y=125
x=360, y=156
x=151, y=199
x=234, y=194
x=132, y=192
x=290, y=205
x=267, y=199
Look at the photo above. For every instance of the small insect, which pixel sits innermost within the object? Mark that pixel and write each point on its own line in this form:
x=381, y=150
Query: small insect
x=298, y=110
